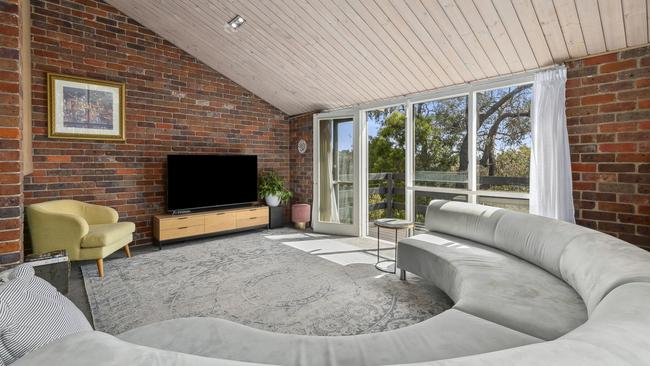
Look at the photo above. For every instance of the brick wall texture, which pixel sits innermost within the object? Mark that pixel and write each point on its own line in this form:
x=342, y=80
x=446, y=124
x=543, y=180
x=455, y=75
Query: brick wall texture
x=10, y=123
x=301, y=164
x=608, y=117
x=174, y=104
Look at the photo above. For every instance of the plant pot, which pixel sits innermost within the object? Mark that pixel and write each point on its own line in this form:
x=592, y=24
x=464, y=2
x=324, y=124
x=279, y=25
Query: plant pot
x=272, y=200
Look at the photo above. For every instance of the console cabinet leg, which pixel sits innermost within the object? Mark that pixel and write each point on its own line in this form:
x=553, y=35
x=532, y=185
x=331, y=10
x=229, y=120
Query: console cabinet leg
x=402, y=274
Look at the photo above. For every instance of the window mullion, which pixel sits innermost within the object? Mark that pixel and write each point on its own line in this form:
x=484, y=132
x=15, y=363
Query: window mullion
x=409, y=170
x=472, y=116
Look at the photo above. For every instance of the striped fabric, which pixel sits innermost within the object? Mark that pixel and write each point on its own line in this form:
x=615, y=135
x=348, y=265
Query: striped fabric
x=32, y=314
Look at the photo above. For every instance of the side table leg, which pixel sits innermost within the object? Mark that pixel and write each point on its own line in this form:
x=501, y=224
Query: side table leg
x=378, y=244
x=402, y=274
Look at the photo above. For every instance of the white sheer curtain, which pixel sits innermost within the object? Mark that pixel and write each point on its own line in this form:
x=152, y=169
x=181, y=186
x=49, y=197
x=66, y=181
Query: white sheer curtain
x=550, y=162
x=329, y=211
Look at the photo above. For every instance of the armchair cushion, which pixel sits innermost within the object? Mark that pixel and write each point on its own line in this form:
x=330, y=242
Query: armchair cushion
x=105, y=234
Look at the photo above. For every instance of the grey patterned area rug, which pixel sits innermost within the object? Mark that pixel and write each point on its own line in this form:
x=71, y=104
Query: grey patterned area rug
x=254, y=279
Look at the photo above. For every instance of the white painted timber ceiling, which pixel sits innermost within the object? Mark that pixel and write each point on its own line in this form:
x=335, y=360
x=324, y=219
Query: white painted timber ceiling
x=308, y=55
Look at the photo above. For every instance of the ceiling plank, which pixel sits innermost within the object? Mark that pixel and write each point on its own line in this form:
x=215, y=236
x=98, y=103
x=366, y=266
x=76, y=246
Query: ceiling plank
x=414, y=41
x=349, y=29
x=501, y=52
x=383, y=43
x=439, y=46
x=485, y=49
x=420, y=73
x=529, y=21
x=592, y=28
x=508, y=18
x=635, y=18
x=409, y=49
x=479, y=69
x=570, y=22
x=352, y=47
x=611, y=16
x=548, y=19
x=338, y=59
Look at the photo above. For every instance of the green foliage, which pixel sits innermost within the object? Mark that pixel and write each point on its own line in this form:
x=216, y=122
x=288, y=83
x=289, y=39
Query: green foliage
x=514, y=162
x=386, y=150
x=270, y=184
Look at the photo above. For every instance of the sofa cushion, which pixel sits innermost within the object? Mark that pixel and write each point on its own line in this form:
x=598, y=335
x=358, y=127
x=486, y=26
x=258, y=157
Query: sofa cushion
x=33, y=313
x=449, y=334
x=494, y=285
x=104, y=234
x=539, y=240
x=597, y=263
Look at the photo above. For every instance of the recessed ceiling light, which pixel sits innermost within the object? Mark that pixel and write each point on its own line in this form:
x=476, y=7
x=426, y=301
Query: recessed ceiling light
x=236, y=22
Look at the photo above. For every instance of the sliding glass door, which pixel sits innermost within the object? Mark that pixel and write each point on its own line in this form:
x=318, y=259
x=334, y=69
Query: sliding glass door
x=335, y=177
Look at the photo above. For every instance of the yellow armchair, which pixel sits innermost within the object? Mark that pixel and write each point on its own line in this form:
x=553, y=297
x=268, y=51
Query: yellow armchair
x=84, y=230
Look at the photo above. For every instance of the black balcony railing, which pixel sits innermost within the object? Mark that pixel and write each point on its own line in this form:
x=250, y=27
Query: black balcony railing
x=390, y=188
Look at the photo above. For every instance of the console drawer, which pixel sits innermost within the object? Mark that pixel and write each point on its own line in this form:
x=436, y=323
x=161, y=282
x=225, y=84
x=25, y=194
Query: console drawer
x=180, y=222
x=221, y=221
x=253, y=217
x=181, y=232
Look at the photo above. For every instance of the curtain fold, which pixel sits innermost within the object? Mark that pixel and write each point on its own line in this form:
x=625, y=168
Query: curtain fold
x=550, y=160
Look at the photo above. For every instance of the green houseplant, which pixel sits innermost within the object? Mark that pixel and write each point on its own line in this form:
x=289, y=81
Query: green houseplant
x=271, y=188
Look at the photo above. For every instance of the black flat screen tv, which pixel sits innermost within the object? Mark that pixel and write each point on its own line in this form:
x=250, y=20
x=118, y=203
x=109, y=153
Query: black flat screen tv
x=196, y=182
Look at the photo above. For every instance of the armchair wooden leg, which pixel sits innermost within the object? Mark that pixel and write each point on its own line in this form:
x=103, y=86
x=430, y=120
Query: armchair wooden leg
x=127, y=251
x=100, y=267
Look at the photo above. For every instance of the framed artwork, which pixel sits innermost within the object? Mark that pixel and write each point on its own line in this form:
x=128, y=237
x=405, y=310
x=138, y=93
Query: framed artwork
x=82, y=108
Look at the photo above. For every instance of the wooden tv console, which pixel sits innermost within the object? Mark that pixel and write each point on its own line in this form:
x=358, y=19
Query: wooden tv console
x=171, y=227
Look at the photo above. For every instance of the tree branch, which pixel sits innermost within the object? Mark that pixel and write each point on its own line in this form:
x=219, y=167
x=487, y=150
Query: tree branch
x=484, y=116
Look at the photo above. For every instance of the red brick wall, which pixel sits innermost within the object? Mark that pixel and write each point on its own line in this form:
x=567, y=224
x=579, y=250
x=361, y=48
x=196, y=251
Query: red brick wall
x=301, y=164
x=608, y=116
x=174, y=104
x=10, y=122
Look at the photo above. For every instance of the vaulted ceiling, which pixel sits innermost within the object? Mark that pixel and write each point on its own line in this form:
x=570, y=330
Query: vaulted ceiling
x=306, y=55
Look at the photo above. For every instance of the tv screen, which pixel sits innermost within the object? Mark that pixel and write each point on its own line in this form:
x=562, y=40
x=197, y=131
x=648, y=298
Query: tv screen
x=204, y=181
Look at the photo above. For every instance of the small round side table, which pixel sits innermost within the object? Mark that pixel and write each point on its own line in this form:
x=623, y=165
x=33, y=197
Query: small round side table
x=396, y=224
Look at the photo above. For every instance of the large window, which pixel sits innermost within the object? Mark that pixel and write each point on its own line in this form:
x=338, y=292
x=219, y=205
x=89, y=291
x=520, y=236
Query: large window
x=441, y=154
x=500, y=143
x=470, y=143
x=503, y=139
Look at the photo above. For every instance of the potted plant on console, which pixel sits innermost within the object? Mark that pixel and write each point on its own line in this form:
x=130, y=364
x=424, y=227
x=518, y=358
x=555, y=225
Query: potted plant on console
x=271, y=188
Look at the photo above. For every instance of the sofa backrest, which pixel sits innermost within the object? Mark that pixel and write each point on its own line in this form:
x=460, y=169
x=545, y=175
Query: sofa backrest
x=591, y=262
x=537, y=239
x=465, y=220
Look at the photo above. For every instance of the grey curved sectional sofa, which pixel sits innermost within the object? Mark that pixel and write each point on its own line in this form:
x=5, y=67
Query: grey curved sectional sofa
x=527, y=290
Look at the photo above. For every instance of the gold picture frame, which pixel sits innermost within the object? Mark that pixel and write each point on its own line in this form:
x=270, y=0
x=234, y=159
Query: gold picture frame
x=85, y=108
